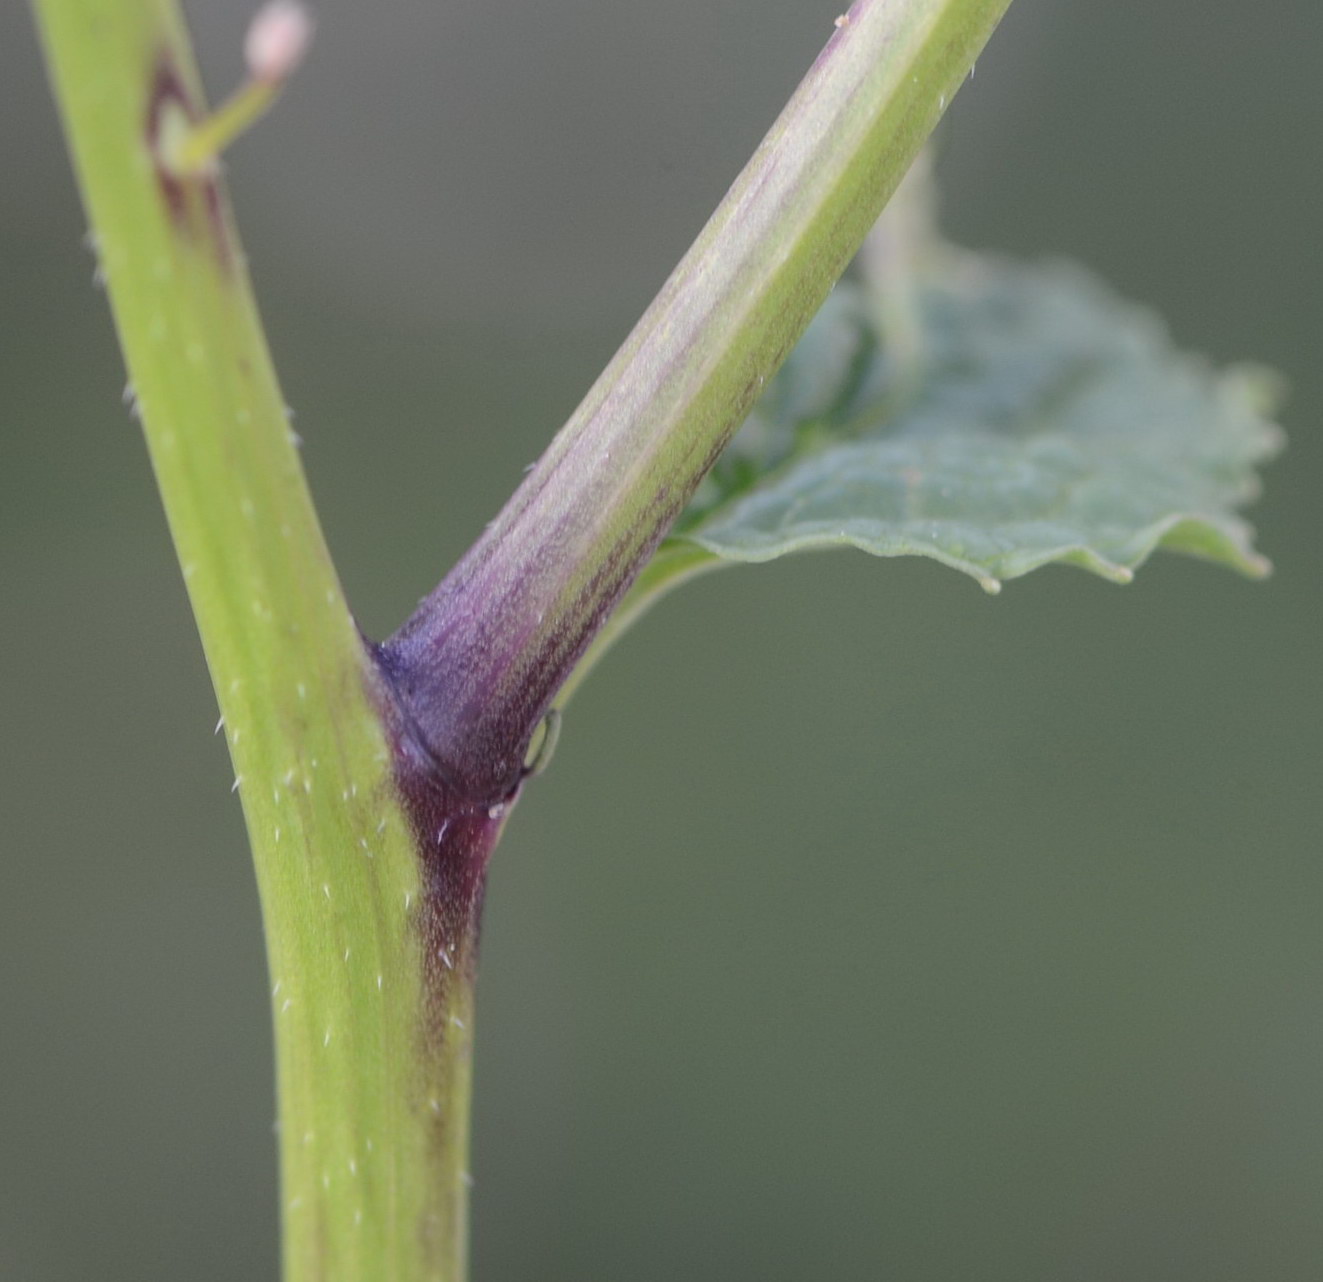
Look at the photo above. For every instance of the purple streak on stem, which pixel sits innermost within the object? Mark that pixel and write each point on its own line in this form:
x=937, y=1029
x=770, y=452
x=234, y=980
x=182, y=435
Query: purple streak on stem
x=483, y=656
x=194, y=201
x=454, y=835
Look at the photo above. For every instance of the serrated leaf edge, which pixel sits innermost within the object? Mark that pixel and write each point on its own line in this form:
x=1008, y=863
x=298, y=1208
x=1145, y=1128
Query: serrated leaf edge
x=1230, y=538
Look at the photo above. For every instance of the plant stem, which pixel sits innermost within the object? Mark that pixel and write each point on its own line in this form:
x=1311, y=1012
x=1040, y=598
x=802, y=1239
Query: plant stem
x=373, y=1174
x=375, y=793
x=481, y=660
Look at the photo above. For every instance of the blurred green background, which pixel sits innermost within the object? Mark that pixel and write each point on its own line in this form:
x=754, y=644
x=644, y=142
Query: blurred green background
x=865, y=927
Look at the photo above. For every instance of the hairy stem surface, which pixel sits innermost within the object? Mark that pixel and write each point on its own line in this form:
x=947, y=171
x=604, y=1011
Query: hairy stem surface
x=372, y=1043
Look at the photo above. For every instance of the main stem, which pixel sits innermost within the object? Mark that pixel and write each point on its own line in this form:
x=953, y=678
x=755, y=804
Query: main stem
x=372, y=1031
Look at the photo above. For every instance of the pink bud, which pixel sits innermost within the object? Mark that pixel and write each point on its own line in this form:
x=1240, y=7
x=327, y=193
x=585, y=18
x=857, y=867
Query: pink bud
x=277, y=39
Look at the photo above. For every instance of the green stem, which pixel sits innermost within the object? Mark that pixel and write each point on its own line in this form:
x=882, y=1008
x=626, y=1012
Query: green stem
x=372, y=1171
x=889, y=257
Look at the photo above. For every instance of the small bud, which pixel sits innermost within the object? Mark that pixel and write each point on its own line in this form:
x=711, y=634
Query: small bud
x=277, y=39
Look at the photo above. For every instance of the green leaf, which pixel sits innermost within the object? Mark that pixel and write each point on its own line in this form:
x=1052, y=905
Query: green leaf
x=1030, y=416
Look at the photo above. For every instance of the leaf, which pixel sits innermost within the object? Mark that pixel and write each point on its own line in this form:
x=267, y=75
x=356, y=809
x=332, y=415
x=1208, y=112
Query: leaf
x=1031, y=417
